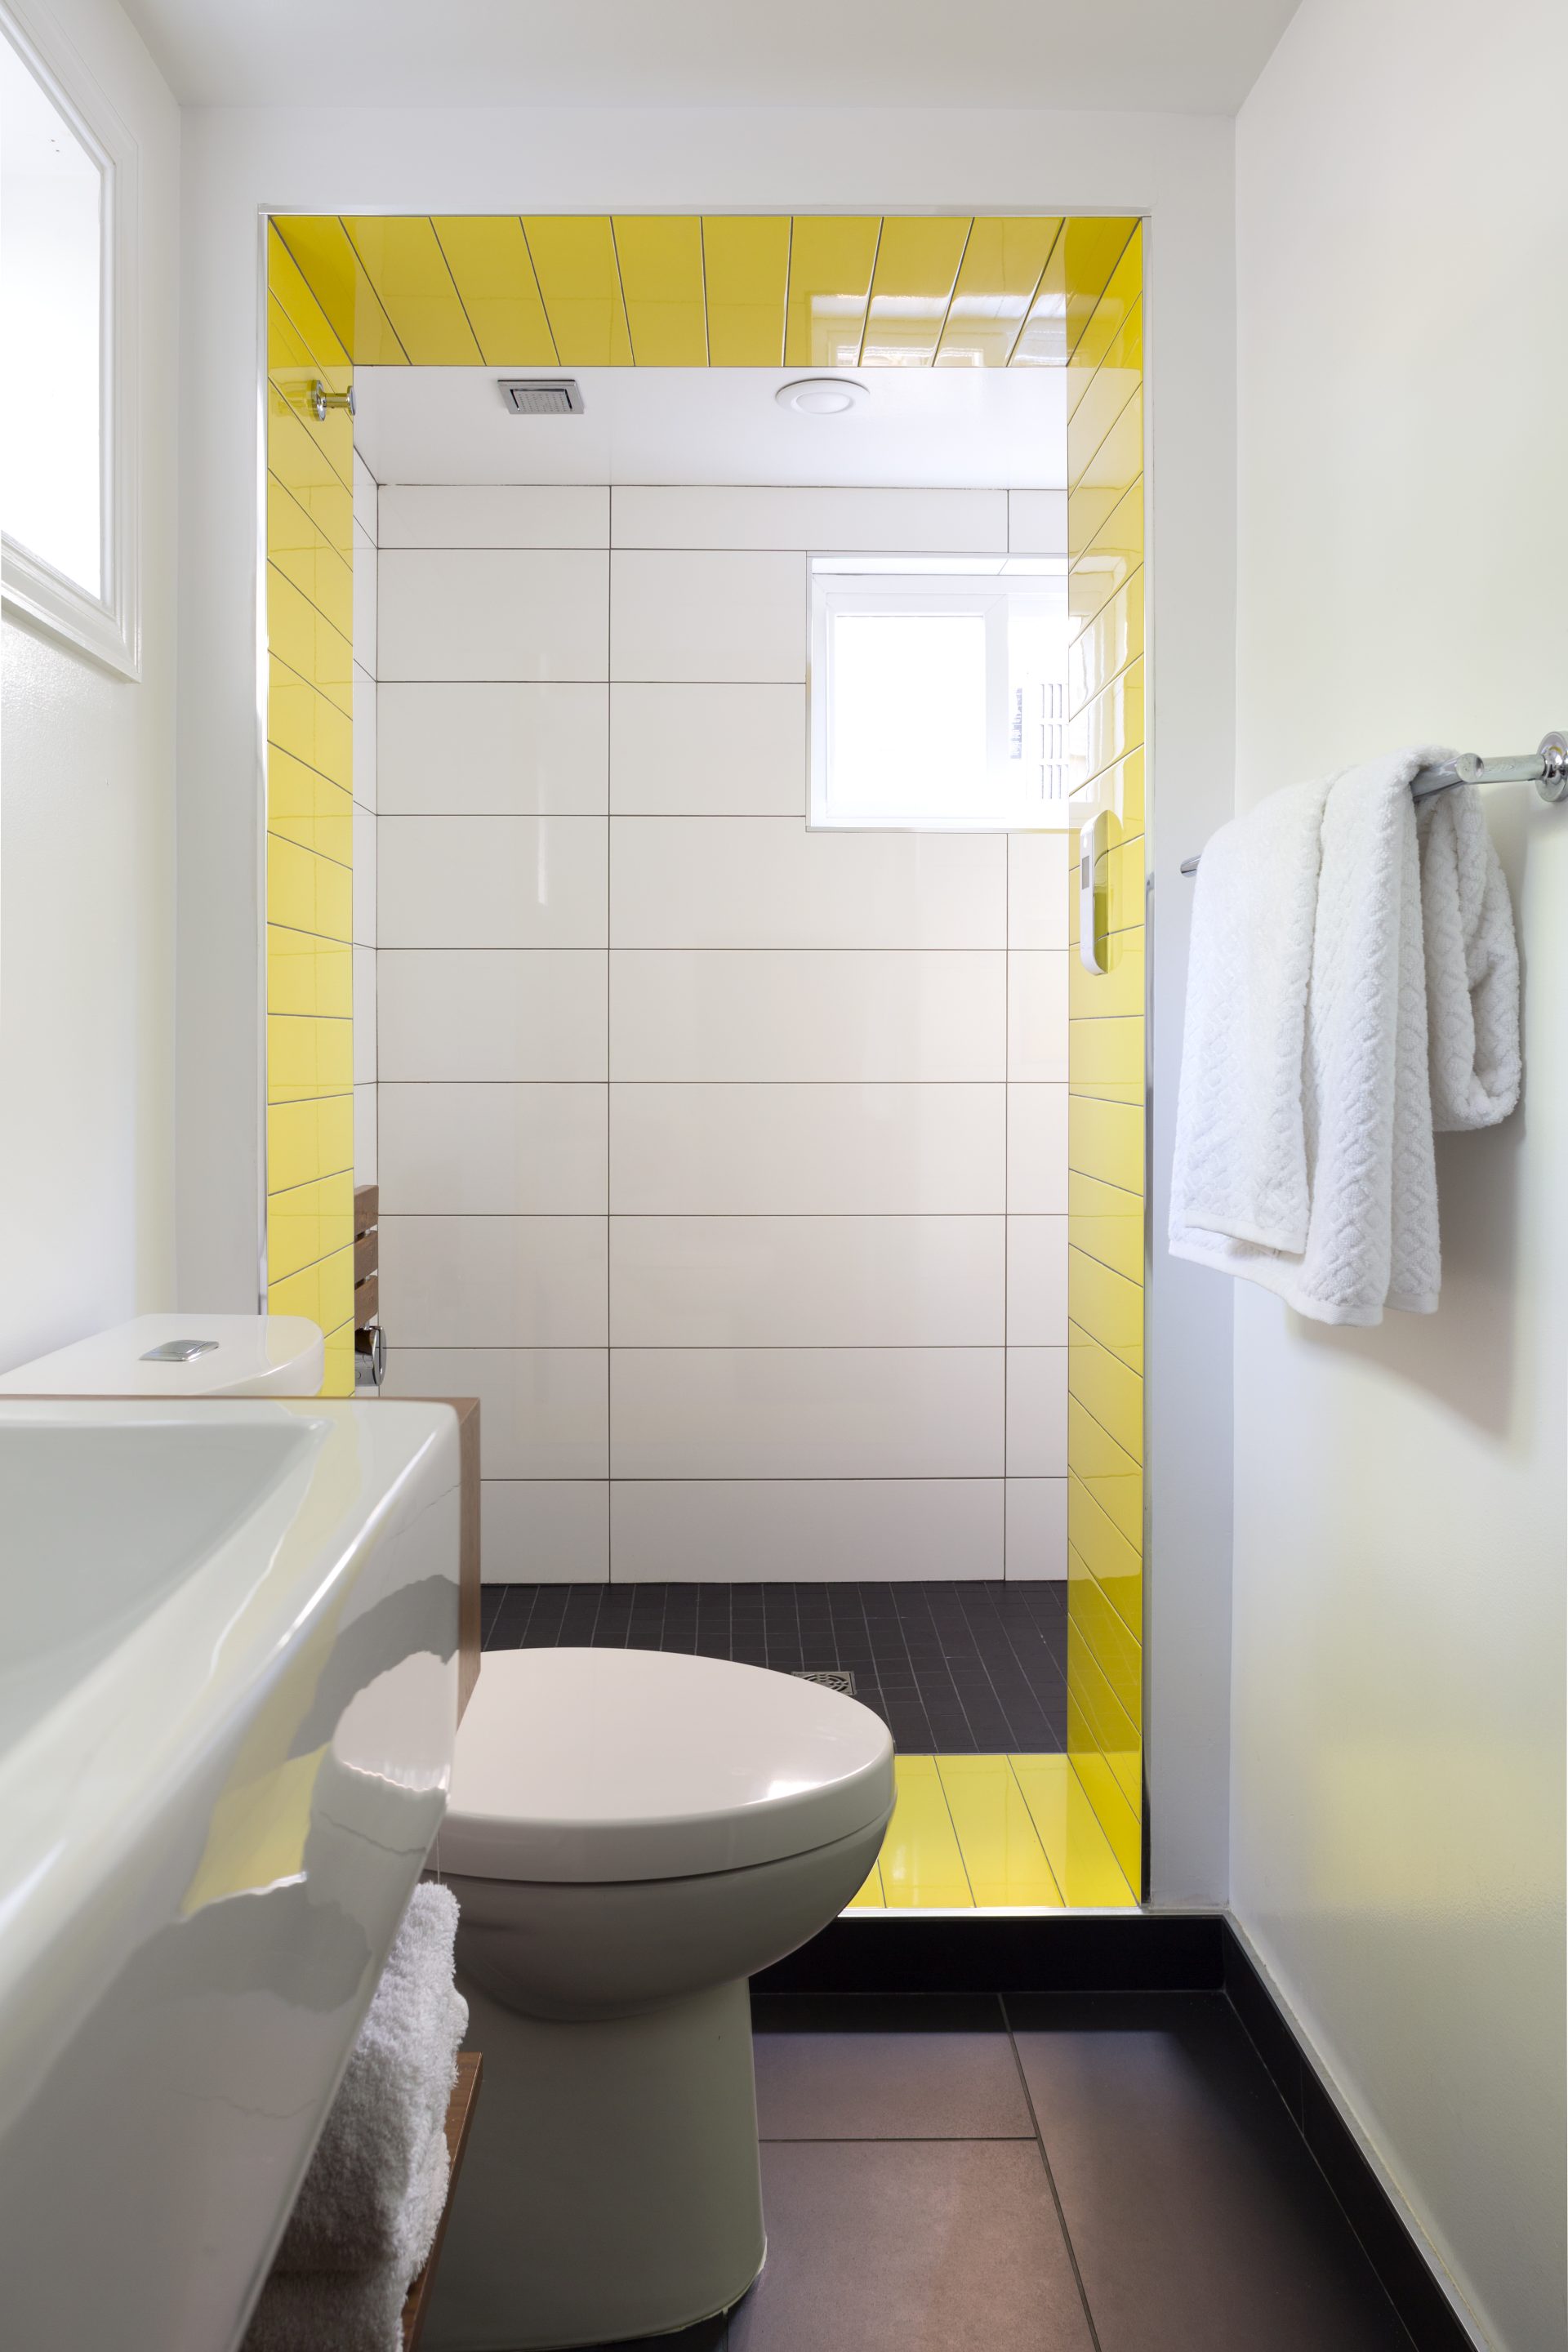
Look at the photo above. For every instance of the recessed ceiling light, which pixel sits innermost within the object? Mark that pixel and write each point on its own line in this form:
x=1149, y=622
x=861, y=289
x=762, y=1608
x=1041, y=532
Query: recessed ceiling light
x=821, y=395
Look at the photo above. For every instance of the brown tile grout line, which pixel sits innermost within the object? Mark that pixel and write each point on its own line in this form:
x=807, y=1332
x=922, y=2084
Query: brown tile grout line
x=1050, y=2175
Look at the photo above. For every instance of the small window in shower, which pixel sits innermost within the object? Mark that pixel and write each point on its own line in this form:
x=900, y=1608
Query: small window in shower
x=938, y=692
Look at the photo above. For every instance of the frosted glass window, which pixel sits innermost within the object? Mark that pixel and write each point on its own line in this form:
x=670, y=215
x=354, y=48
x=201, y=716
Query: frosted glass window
x=937, y=700
x=51, y=313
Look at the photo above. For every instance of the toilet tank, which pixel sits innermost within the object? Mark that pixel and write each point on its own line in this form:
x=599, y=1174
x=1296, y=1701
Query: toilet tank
x=182, y=1355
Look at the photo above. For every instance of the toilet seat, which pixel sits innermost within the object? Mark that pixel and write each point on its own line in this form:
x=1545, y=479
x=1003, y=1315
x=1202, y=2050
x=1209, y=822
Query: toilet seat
x=586, y=1767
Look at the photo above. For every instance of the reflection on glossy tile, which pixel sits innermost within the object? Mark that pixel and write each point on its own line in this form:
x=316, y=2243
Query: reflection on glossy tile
x=494, y=750
x=921, y=1866
x=1081, y=1860
x=1003, y=1858
x=492, y=881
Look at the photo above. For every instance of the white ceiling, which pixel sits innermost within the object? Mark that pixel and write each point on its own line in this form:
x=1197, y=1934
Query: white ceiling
x=1194, y=56
x=921, y=429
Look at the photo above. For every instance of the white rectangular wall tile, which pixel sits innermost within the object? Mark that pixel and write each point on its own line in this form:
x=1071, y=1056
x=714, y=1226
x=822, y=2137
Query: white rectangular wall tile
x=790, y=1282
x=366, y=1134
x=364, y=1017
x=494, y=1281
x=707, y=617
x=364, y=496
x=824, y=521
x=366, y=885
x=750, y=1150
x=493, y=881
x=708, y=750
x=492, y=514
x=1036, y=1281
x=781, y=1531
x=493, y=1150
x=365, y=570
x=1038, y=1411
x=493, y=615
x=807, y=1412
x=366, y=744
x=541, y=1531
x=494, y=750
x=1037, y=1150
x=1039, y=865
x=1036, y=1530
x=496, y=1013
x=544, y=1413
x=1037, y=1017
x=709, y=1015
x=1036, y=522
x=767, y=882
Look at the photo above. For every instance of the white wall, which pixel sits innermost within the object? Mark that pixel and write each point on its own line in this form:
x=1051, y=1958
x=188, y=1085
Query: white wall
x=1179, y=170
x=1398, y=1672
x=87, y=850
x=725, y=1161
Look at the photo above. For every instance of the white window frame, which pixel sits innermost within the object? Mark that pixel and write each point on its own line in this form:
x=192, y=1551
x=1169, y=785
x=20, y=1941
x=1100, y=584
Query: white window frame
x=924, y=587
x=107, y=627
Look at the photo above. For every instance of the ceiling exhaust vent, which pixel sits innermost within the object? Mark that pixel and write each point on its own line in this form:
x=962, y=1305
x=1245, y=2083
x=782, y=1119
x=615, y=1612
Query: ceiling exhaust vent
x=542, y=395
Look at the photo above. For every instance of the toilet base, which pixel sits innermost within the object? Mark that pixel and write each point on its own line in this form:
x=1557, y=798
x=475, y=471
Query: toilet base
x=612, y=2187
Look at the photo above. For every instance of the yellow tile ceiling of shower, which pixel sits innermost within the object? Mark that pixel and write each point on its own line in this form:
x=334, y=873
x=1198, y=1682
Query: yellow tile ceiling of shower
x=637, y=290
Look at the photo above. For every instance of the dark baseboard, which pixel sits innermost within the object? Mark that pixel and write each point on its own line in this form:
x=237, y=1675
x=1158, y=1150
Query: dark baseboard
x=1135, y=1951
x=1427, y=2315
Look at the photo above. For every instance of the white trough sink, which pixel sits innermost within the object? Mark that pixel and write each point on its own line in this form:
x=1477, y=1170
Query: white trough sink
x=227, y=1699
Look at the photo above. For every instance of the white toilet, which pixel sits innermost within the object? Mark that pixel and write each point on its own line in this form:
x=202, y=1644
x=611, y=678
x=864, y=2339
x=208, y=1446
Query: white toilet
x=631, y=1833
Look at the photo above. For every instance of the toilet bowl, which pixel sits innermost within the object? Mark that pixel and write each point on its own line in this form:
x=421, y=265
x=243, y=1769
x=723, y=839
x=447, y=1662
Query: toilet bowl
x=631, y=1834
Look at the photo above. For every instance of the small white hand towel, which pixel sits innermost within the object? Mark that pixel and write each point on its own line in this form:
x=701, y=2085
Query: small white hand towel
x=1304, y=1158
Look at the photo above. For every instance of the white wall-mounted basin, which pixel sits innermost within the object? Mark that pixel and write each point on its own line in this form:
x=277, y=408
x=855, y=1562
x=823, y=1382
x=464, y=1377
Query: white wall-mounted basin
x=227, y=1700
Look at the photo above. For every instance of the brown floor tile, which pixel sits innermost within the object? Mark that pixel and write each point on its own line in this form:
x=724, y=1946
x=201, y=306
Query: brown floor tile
x=920, y=2068
x=909, y=2246
x=1198, y=2218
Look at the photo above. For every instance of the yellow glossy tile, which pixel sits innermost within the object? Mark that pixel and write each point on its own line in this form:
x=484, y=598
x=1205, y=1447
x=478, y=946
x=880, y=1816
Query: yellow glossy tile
x=320, y=455
x=305, y=974
x=307, y=1057
x=308, y=1222
x=1107, y=548
x=307, y=1140
x=870, y=1897
x=305, y=723
x=1116, y=1819
x=300, y=464
x=661, y=281
x=1110, y=1730
x=302, y=553
x=1117, y=991
x=1098, y=412
x=338, y=1379
x=1108, y=475
x=322, y=1293
x=917, y=267
x=1117, y=1651
x=305, y=807
x=1091, y=251
x=1124, y=294
x=1085, y=254
x=291, y=363
x=923, y=1869
x=403, y=259
x=491, y=268
x=1001, y=272
x=1108, y=1306
x=1106, y=1140
x=1003, y=1856
x=287, y=286
x=746, y=266
x=574, y=261
x=1126, y=884
x=1106, y=1058
x=830, y=268
x=1106, y=644
x=1079, y=1853
x=1106, y=1223
x=1105, y=1387
x=307, y=893
x=306, y=640
x=338, y=278
x=1116, y=1564
x=1113, y=1479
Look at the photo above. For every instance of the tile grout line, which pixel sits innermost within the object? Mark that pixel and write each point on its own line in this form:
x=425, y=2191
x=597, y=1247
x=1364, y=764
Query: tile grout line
x=1050, y=2175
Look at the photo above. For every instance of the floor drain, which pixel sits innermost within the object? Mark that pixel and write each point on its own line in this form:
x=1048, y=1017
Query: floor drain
x=839, y=1678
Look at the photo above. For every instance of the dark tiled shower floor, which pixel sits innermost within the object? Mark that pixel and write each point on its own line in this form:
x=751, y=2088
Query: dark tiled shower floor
x=953, y=1669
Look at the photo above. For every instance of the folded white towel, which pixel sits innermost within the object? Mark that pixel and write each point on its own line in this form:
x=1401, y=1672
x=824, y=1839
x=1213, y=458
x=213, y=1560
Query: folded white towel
x=1326, y=923
x=376, y=2148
